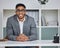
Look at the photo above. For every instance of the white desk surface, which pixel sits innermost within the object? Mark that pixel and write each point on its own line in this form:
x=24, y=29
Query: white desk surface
x=29, y=43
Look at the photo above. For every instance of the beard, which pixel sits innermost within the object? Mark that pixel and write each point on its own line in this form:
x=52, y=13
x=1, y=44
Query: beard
x=21, y=16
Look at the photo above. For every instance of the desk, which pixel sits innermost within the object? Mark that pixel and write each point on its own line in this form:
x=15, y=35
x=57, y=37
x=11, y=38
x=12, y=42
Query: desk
x=29, y=43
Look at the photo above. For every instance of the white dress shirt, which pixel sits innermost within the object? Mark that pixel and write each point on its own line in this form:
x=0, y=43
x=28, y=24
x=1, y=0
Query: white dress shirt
x=21, y=25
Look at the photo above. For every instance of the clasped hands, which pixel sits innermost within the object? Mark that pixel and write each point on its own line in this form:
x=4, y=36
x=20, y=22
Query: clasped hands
x=22, y=38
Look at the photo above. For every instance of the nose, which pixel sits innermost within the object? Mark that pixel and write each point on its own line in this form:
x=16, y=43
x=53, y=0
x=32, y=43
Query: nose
x=20, y=12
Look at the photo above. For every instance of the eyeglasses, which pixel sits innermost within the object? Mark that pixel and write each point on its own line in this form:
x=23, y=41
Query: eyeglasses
x=20, y=10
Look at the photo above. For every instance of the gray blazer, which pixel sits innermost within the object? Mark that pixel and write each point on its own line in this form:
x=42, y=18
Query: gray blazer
x=13, y=30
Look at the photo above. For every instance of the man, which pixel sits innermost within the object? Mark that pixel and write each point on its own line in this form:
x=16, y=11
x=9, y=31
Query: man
x=21, y=27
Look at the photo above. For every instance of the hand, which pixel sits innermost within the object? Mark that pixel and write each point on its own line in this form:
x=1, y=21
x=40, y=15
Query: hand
x=22, y=38
x=18, y=38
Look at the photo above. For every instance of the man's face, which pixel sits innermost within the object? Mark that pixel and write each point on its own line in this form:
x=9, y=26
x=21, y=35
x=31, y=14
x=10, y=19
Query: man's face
x=21, y=11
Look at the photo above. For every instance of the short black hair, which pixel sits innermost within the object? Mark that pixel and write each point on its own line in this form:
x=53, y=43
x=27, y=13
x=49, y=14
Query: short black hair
x=20, y=4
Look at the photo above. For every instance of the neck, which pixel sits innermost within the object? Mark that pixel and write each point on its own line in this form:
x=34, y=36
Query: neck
x=21, y=19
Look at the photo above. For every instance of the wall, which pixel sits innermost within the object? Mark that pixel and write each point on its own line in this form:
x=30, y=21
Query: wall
x=52, y=4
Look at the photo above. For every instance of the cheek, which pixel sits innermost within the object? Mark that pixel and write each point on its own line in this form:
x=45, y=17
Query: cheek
x=24, y=13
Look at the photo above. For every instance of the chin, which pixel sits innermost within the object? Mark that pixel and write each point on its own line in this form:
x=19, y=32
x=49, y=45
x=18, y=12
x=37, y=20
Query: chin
x=21, y=17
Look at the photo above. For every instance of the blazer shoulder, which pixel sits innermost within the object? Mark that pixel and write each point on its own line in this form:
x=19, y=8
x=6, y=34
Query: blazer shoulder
x=10, y=18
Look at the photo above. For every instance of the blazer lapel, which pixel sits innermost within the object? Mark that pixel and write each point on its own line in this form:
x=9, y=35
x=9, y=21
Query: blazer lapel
x=24, y=25
x=17, y=25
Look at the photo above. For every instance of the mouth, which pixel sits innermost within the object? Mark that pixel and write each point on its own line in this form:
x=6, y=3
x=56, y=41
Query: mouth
x=20, y=15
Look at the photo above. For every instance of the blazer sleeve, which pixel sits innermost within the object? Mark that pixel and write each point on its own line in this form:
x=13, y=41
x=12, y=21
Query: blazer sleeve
x=33, y=30
x=9, y=30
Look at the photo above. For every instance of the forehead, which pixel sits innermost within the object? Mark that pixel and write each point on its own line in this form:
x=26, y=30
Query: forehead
x=20, y=7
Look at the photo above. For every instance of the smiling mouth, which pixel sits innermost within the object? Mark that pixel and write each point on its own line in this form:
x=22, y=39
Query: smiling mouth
x=20, y=15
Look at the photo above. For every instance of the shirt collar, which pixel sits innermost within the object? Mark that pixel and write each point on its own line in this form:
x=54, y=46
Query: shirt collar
x=22, y=21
